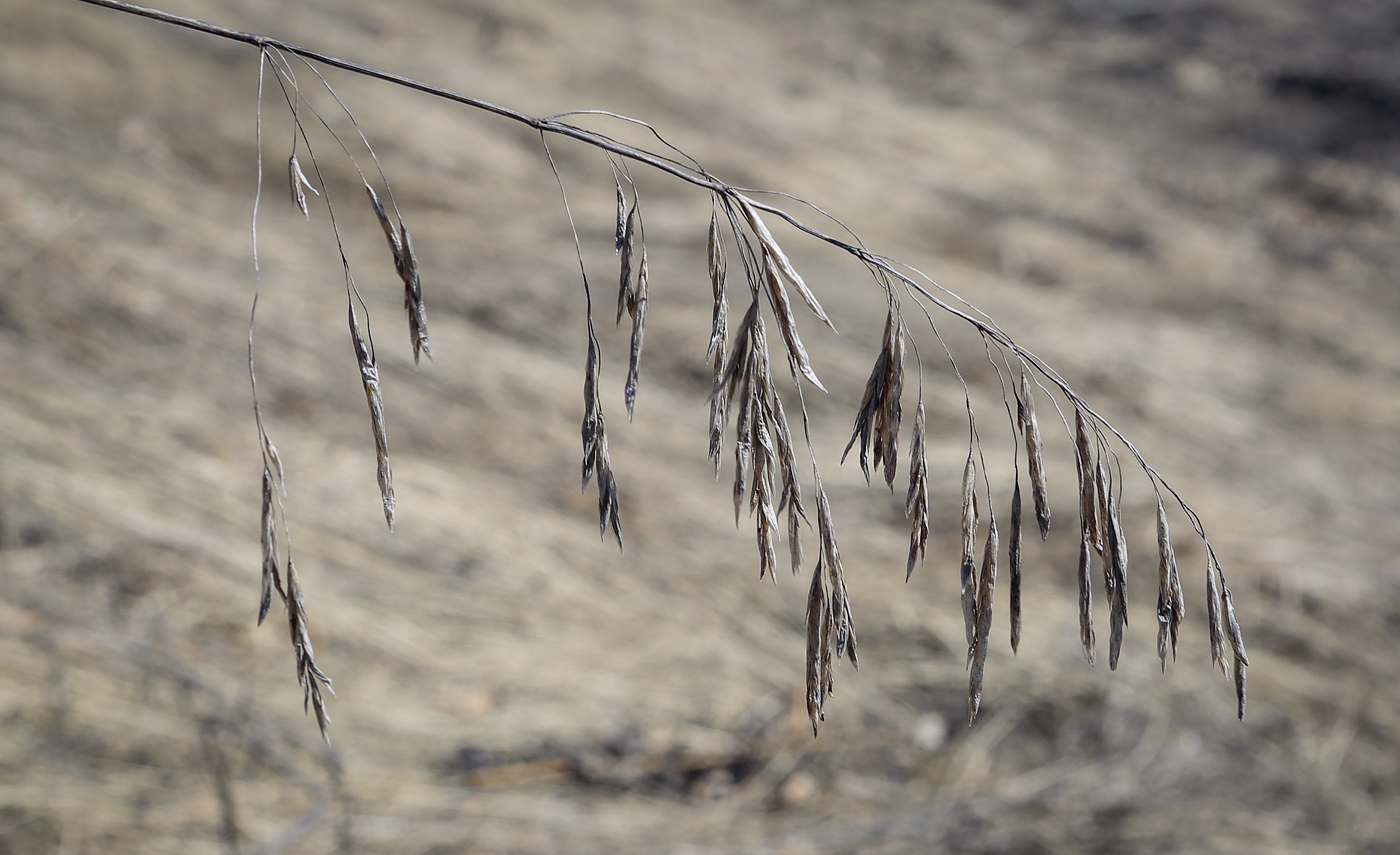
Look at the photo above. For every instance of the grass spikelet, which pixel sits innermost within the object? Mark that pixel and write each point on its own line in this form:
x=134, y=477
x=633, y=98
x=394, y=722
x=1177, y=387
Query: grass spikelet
x=968, y=571
x=390, y=233
x=311, y=677
x=774, y=254
x=916, y=501
x=841, y=639
x=621, y=220
x=1086, y=595
x=413, y=297
x=595, y=445
x=300, y=185
x=638, y=311
x=879, y=412
x=270, y=577
x=369, y=376
x=1238, y=655
x=1086, y=463
x=986, y=586
x=625, y=294
x=1030, y=427
x=818, y=676
x=719, y=334
x=791, y=497
x=1013, y=551
x=1168, y=584
x=1116, y=581
x=787, y=325
x=1101, y=510
x=1214, y=623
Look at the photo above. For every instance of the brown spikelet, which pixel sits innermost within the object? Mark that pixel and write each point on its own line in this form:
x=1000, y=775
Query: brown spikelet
x=841, y=638
x=1240, y=685
x=986, y=586
x=1232, y=622
x=1116, y=581
x=1086, y=594
x=1238, y=655
x=1086, y=464
x=1101, y=511
x=1014, y=562
x=787, y=325
x=968, y=572
x=270, y=577
x=625, y=298
x=774, y=255
x=1178, y=608
x=1030, y=427
x=406, y=265
x=638, y=310
x=791, y=497
x=1168, y=584
x=621, y=220
x=300, y=185
x=719, y=334
x=879, y=412
x=818, y=677
x=390, y=233
x=595, y=444
x=413, y=297
x=916, y=502
x=369, y=376
x=311, y=677
x=1214, y=623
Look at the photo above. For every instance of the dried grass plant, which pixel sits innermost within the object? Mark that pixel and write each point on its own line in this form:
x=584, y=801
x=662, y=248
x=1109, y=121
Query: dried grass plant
x=750, y=402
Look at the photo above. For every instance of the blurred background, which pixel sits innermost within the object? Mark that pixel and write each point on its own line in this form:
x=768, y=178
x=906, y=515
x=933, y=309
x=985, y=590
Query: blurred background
x=1188, y=208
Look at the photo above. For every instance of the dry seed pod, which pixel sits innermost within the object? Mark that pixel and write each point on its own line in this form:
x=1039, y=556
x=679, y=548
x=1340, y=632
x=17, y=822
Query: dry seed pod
x=916, y=502
x=986, y=585
x=1030, y=426
x=1014, y=561
x=969, y=533
x=1168, y=618
x=1086, y=593
x=300, y=185
x=369, y=376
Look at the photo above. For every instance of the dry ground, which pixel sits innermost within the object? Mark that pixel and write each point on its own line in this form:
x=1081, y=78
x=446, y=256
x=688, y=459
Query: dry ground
x=1188, y=208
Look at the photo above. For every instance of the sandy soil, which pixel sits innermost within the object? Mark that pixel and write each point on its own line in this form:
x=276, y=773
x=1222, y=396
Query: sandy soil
x=1186, y=208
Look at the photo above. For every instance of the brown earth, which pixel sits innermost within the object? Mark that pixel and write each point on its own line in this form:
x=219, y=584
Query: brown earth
x=1187, y=208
